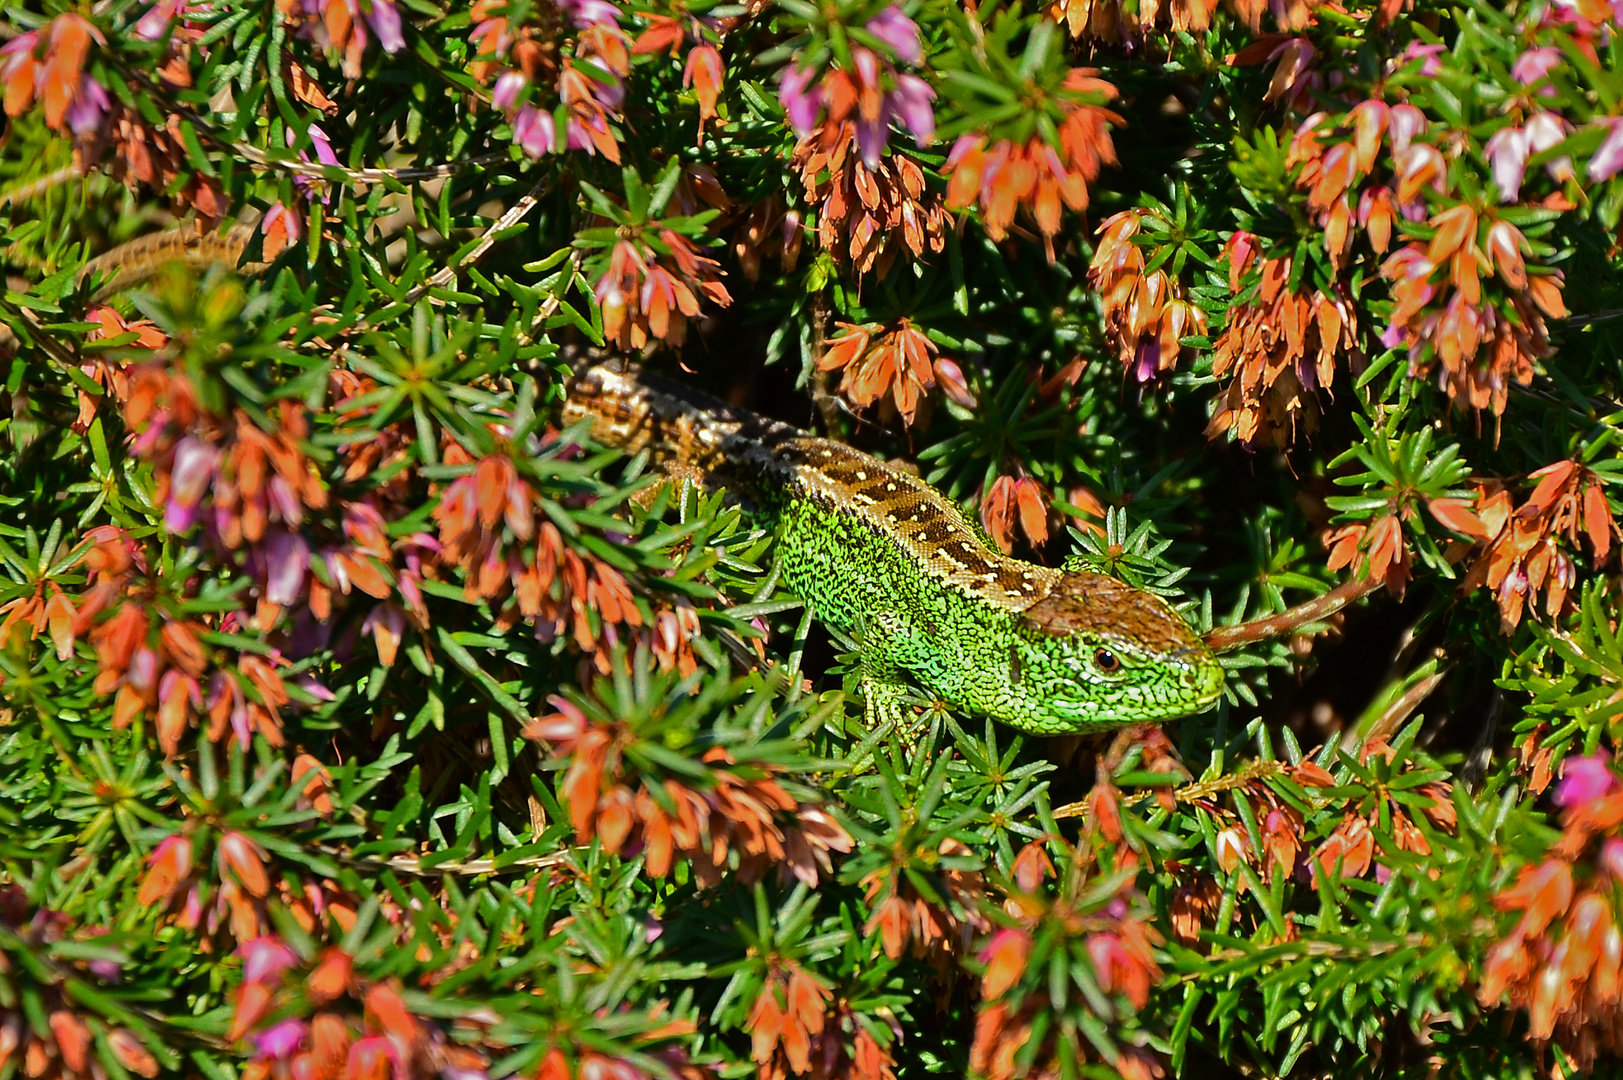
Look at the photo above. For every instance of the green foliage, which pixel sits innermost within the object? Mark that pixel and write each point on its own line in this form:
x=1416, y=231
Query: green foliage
x=363, y=718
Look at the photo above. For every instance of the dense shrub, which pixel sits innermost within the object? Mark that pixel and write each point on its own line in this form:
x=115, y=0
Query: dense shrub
x=360, y=724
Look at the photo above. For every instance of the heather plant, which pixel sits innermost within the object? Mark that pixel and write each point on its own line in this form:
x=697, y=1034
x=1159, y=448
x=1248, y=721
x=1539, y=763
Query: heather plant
x=361, y=721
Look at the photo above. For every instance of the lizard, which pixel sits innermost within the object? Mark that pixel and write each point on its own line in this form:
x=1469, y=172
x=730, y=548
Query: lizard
x=881, y=556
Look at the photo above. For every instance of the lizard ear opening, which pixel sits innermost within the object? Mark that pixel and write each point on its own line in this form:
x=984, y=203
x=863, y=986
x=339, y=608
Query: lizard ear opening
x=1015, y=673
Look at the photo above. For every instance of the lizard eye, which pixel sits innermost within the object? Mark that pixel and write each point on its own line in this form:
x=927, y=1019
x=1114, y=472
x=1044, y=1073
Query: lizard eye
x=1106, y=661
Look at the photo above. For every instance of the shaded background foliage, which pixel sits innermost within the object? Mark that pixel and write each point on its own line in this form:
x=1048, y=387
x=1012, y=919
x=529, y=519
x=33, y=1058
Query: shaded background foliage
x=361, y=724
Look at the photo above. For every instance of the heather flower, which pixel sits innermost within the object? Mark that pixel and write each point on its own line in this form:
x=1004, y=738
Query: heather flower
x=279, y=1041
x=1010, y=500
x=801, y=95
x=1507, y=152
x=1294, y=78
x=1038, y=177
x=347, y=26
x=863, y=102
x=1584, y=779
x=1428, y=55
x=896, y=368
x=73, y=102
x=1521, y=552
x=282, y=229
x=534, y=130
x=1544, y=131
x=868, y=216
x=1607, y=160
x=899, y=32
x=264, y=959
x=705, y=821
x=1113, y=22
x=646, y=295
x=1534, y=64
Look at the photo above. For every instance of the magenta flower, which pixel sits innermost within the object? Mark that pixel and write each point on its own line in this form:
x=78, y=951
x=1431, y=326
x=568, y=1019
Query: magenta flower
x=535, y=130
x=800, y=99
x=189, y=477
x=899, y=32
x=287, y=558
x=1427, y=54
x=322, y=146
x=279, y=1041
x=265, y=958
x=911, y=102
x=509, y=86
x=89, y=107
x=292, y=224
x=1584, y=779
x=156, y=21
x=384, y=18
x=1607, y=160
x=584, y=13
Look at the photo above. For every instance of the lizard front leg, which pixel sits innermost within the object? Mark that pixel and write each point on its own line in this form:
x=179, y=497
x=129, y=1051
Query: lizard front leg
x=884, y=684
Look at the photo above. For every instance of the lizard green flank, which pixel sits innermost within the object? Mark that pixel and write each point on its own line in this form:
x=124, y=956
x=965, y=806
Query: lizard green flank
x=880, y=555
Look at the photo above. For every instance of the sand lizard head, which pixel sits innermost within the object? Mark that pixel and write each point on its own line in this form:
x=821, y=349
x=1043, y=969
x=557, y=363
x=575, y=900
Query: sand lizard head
x=1096, y=652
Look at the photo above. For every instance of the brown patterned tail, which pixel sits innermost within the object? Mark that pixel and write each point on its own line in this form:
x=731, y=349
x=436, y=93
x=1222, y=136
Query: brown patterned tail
x=633, y=410
x=142, y=258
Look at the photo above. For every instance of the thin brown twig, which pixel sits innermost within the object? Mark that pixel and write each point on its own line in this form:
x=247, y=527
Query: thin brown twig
x=413, y=864
x=1228, y=638
x=1200, y=789
x=514, y=214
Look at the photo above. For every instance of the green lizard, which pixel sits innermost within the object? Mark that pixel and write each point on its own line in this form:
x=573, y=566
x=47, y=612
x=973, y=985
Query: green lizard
x=878, y=554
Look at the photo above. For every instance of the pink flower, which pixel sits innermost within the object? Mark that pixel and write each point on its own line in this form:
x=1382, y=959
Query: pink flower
x=801, y=100
x=1427, y=54
x=1295, y=56
x=899, y=32
x=1584, y=779
x=509, y=85
x=322, y=146
x=18, y=51
x=373, y=1058
x=1547, y=130
x=89, y=107
x=1507, y=152
x=1611, y=857
x=279, y=1041
x=384, y=18
x=292, y=224
x=1607, y=161
x=157, y=19
x=911, y=102
x=1404, y=122
x=265, y=958
x=287, y=557
x=189, y=478
x=586, y=13
x=1532, y=65
x=535, y=130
